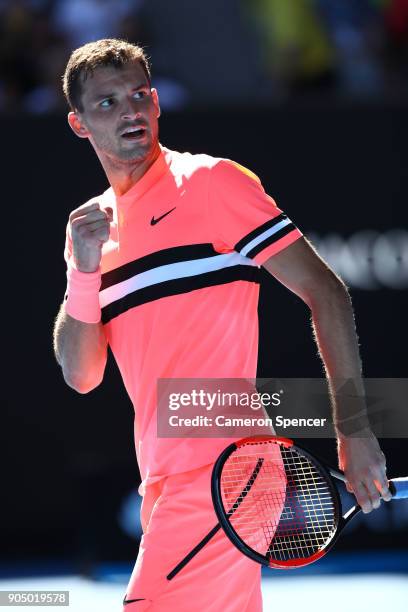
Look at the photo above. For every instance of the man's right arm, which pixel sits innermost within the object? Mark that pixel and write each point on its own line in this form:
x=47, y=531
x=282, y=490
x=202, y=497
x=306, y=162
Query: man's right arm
x=80, y=343
x=81, y=351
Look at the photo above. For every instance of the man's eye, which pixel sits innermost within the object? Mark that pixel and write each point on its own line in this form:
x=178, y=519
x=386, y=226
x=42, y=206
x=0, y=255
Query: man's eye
x=106, y=103
x=139, y=95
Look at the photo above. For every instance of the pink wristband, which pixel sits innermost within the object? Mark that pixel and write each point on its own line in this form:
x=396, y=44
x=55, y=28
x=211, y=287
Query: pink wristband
x=82, y=295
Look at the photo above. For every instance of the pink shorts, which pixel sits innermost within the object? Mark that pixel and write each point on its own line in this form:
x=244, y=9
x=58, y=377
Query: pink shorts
x=177, y=513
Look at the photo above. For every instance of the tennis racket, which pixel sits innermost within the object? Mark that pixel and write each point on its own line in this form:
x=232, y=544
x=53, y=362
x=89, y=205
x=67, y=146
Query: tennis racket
x=277, y=503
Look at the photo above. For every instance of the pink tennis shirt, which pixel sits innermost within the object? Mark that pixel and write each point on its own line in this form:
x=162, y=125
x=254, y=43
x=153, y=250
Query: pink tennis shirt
x=180, y=285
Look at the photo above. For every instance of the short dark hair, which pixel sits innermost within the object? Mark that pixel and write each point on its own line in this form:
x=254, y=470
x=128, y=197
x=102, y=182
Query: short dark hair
x=105, y=52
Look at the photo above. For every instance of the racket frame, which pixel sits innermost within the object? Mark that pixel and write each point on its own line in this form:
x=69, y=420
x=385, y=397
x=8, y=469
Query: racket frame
x=229, y=530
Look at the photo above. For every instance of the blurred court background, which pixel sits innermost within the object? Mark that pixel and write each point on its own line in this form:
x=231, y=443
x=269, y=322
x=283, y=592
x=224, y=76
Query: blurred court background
x=312, y=96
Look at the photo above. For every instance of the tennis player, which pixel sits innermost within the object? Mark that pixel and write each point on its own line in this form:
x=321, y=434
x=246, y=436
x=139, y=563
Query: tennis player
x=163, y=267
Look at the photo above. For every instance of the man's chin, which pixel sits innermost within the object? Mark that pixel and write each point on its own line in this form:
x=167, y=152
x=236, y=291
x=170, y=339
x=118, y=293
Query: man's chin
x=139, y=154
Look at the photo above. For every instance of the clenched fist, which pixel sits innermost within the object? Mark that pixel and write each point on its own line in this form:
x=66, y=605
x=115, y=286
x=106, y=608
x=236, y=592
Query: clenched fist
x=89, y=230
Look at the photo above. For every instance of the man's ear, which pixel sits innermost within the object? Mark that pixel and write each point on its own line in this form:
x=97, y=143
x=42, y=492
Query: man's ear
x=77, y=126
x=155, y=96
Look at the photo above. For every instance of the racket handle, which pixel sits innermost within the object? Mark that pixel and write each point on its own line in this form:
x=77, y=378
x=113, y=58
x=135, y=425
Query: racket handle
x=399, y=488
x=193, y=552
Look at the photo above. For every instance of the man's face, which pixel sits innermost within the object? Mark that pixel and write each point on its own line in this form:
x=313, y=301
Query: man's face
x=120, y=113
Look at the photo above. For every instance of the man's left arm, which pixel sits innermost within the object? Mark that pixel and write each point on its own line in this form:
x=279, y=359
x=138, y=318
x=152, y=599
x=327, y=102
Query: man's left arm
x=301, y=270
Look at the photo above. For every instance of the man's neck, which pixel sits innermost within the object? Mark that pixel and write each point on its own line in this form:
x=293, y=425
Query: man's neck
x=123, y=176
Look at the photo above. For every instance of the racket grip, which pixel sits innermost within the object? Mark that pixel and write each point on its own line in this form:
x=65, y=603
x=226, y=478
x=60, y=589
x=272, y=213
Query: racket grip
x=399, y=488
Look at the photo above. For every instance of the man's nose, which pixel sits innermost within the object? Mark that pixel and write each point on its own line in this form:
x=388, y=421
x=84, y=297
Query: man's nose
x=130, y=110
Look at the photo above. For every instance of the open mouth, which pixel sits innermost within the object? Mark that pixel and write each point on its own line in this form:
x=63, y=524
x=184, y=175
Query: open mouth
x=135, y=133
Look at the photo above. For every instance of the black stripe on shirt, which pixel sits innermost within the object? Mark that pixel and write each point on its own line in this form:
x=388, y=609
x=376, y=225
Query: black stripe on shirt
x=270, y=240
x=156, y=259
x=178, y=286
x=257, y=231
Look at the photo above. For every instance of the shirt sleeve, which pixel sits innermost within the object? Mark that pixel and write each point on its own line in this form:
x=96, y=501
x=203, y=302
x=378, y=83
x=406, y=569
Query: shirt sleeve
x=244, y=218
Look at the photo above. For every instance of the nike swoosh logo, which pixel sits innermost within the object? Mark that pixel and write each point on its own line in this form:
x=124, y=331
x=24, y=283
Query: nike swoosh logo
x=128, y=601
x=154, y=221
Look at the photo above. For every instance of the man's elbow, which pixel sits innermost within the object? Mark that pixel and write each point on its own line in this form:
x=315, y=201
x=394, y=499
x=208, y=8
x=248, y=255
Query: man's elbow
x=80, y=383
x=330, y=290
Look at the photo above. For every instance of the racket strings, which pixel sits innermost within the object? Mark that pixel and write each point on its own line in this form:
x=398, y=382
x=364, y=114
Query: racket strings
x=277, y=501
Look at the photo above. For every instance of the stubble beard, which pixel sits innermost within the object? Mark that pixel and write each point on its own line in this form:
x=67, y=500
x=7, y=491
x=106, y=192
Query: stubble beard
x=119, y=156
